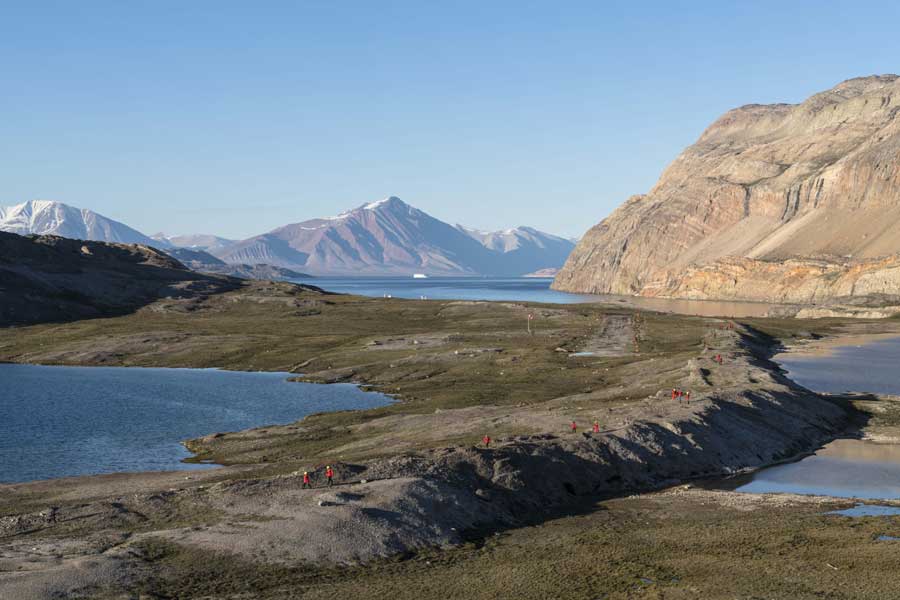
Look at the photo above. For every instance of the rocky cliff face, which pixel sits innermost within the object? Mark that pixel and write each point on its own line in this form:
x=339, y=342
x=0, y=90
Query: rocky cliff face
x=797, y=203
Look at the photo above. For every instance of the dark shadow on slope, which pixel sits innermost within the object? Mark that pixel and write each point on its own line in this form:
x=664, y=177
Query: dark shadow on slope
x=53, y=279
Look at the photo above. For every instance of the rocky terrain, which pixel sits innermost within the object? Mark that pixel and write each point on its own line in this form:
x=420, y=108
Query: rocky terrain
x=778, y=203
x=50, y=278
x=415, y=488
x=413, y=480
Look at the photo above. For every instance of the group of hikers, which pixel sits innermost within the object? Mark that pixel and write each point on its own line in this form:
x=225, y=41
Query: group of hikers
x=329, y=477
x=681, y=395
x=595, y=427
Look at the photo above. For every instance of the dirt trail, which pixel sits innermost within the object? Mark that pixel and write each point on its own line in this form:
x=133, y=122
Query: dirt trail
x=616, y=337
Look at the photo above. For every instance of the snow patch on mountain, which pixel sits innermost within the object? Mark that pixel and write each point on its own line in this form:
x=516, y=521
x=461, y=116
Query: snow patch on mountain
x=201, y=241
x=390, y=237
x=47, y=217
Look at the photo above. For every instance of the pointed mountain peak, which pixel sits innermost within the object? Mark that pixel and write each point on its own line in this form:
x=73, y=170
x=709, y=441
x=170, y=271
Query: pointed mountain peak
x=386, y=203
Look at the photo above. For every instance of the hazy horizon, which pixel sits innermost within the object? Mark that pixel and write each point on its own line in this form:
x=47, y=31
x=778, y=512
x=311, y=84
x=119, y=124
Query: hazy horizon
x=232, y=119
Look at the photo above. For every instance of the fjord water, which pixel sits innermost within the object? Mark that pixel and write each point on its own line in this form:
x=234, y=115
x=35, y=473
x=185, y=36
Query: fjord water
x=63, y=421
x=522, y=289
x=848, y=468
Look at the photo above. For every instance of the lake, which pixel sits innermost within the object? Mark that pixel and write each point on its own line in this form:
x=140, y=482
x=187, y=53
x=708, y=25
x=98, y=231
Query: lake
x=64, y=421
x=848, y=468
x=523, y=289
x=869, y=367
x=844, y=468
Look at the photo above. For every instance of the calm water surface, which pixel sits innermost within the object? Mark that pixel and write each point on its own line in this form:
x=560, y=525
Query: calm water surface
x=62, y=421
x=870, y=367
x=521, y=289
x=843, y=468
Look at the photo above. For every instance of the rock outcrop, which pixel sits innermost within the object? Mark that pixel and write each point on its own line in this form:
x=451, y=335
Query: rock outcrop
x=50, y=278
x=782, y=203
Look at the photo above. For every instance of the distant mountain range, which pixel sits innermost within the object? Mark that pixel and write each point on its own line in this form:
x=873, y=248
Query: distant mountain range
x=207, y=243
x=390, y=237
x=387, y=237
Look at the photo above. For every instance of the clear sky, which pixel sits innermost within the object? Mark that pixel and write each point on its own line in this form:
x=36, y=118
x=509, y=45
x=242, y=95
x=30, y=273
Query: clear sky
x=235, y=117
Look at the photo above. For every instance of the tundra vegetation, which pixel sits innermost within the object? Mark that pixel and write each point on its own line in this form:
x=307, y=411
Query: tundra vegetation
x=421, y=510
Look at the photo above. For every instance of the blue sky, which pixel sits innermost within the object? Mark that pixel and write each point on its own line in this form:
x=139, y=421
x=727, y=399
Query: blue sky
x=236, y=117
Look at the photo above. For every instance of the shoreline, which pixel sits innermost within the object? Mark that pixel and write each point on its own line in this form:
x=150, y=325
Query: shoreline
x=412, y=477
x=828, y=346
x=813, y=348
x=190, y=463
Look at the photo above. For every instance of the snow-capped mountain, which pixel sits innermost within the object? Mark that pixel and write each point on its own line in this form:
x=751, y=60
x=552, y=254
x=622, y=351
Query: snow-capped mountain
x=205, y=242
x=390, y=237
x=525, y=249
x=387, y=237
x=45, y=217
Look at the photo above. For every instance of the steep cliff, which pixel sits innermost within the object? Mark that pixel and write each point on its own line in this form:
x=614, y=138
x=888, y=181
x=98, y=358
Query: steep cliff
x=779, y=202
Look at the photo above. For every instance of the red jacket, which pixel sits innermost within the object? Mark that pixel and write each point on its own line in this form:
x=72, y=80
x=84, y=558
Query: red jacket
x=329, y=473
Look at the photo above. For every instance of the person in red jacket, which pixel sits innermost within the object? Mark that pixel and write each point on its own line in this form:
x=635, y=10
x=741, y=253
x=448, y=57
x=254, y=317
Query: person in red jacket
x=487, y=441
x=306, y=483
x=574, y=427
x=329, y=475
x=596, y=426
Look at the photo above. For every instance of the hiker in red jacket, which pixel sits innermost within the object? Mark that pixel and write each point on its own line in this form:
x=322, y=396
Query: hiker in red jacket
x=574, y=427
x=329, y=475
x=306, y=483
x=487, y=441
x=596, y=426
